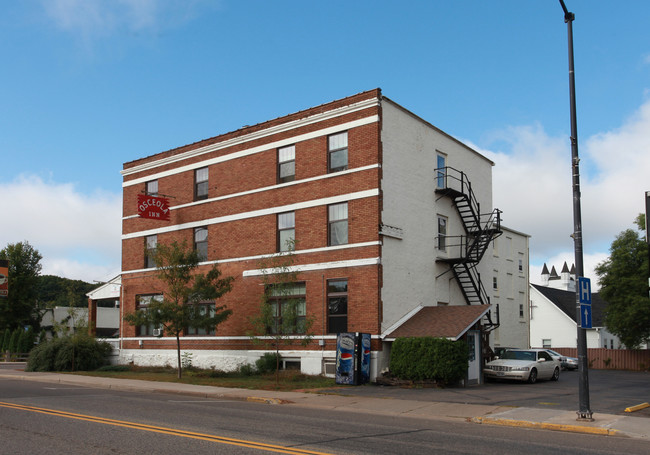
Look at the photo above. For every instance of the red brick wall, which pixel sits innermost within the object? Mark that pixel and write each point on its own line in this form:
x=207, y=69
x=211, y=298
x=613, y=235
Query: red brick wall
x=257, y=236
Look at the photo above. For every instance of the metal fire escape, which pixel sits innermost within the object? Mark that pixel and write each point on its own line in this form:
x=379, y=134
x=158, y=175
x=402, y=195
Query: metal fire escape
x=464, y=252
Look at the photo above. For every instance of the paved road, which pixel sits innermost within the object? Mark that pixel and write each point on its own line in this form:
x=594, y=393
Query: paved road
x=610, y=392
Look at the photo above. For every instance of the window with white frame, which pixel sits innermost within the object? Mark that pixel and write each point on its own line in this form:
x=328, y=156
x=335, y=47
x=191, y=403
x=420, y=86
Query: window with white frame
x=150, y=244
x=286, y=231
x=441, y=170
x=287, y=164
x=442, y=233
x=337, y=306
x=337, y=145
x=151, y=188
x=288, y=308
x=201, y=184
x=546, y=343
x=143, y=303
x=338, y=224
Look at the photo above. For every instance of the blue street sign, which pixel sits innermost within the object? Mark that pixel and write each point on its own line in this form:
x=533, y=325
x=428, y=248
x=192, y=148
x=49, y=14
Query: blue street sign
x=585, y=316
x=584, y=290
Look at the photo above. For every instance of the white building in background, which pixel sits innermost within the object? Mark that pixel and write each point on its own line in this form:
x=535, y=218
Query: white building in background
x=510, y=288
x=553, y=314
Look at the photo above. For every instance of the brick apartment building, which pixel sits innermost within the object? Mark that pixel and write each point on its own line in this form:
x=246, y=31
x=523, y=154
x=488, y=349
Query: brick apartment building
x=390, y=217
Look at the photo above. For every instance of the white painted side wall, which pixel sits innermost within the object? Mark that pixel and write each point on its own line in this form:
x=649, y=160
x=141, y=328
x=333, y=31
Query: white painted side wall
x=409, y=149
x=549, y=322
x=512, y=289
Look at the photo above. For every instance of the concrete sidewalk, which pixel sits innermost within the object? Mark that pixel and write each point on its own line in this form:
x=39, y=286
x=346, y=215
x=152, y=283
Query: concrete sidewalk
x=547, y=419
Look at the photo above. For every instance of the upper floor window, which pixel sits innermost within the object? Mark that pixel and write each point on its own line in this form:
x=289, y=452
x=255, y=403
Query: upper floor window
x=201, y=242
x=286, y=231
x=442, y=233
x=288, y=308
x=150, y=243
x=151, y=188
x=441, y=170
x=337, y=306
x=521, y=265
x=337, y=146
x=338, y=224
x=201, y=184
x=287, y=164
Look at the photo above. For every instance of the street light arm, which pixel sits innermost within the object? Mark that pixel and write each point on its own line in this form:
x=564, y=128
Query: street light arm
x=568, y=17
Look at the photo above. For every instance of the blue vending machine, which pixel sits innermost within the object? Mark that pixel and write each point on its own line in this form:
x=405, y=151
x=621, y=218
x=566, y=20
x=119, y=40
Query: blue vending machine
x=353, y=358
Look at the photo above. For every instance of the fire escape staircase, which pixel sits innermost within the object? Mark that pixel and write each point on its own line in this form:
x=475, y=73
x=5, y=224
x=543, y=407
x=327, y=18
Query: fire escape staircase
x=464, y=252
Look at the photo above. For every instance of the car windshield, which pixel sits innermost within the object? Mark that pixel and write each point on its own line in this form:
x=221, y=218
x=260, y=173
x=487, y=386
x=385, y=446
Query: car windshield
x=520, y=355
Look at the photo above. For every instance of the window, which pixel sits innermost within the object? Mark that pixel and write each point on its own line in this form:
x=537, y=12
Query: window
x=337, y=306
x=287, y=164
x=201, y=242
x=201, y=184
x=143, y=302
x=338, y=224
x=546, y=343
x=521, y=265
x=441, y=170
x=151, y=241
x=204, y=309
x=442, y=233
x=286, y=231
x=495, y=283
x=288, y=308
x=521, y=310
x=337, y=147
x=151, y=188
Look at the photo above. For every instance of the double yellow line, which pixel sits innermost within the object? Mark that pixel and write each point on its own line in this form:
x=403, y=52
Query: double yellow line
x=163, y=430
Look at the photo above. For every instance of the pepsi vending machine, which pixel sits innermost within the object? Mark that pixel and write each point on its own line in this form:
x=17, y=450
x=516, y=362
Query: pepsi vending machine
x=353, y=358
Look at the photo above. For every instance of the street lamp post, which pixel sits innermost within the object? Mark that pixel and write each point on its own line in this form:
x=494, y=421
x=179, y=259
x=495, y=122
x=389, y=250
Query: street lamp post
x=584, y=412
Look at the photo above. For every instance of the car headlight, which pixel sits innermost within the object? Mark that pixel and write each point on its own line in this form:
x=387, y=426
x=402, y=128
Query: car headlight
x=520, y=368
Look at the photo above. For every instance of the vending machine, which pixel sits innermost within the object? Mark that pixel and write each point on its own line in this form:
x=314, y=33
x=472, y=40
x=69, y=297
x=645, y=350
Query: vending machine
x=353, y=358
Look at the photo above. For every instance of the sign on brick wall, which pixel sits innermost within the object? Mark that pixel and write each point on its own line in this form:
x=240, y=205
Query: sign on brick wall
x=153, y=207
x=4, y=278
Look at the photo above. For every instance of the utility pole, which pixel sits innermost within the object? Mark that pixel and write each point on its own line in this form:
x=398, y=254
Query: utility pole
x=584, y=411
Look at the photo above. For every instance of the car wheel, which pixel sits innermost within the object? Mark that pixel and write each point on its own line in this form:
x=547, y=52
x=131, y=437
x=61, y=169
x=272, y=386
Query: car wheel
x=556, y=374
x=532, y=377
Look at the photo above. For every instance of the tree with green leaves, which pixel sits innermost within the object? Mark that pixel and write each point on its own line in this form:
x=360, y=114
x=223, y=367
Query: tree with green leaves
x=623, y=278
x=185, y=289
x=19, y=308
x=282, y=317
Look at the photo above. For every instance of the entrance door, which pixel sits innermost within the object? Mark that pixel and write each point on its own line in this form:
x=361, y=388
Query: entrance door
x=474, y=367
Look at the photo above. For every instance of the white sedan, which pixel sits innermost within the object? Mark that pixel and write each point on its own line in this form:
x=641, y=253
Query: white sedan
x=524, y=365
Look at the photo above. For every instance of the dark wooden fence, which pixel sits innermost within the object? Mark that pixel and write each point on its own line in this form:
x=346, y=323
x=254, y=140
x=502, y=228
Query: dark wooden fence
x=613, y=359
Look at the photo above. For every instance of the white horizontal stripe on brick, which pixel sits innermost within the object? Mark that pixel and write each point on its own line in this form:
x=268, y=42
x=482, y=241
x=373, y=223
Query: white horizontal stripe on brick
x=312, y=267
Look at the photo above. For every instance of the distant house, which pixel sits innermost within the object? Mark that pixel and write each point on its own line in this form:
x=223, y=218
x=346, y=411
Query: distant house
x=553, y=314
x=104, y=309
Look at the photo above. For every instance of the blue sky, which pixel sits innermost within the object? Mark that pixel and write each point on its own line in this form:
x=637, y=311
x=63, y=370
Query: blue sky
x=87, y=85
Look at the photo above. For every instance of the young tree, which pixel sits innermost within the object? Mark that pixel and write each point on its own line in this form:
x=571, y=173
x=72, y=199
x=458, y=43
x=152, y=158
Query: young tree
x=18, y=309
x=282, y=318
x=623, y=278
x=178, y=310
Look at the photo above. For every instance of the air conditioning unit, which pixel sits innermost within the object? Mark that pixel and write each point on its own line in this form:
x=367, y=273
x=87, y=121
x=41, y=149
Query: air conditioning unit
x=157, y=332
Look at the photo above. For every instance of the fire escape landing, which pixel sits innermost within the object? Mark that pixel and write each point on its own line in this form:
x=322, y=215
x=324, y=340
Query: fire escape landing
x=464, y=252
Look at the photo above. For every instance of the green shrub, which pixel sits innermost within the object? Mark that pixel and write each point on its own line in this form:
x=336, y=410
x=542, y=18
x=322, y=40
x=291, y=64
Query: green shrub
x=267, y=363
x=78, y=352
x=247, y=369
x=13, y=341
x=429, y=359
x=5, y=340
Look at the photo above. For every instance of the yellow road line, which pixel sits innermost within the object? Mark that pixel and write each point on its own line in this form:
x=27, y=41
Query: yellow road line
x=163, y=430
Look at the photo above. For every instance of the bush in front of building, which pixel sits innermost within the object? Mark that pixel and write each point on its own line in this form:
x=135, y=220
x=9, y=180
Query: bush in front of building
x=78, y=352
x=429, y=359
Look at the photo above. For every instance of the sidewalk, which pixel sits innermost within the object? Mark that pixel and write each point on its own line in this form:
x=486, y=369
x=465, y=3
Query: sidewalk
x=548, y=419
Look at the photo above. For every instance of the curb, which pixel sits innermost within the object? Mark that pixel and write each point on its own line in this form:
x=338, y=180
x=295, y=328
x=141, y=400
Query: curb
x=267, y=400
x=638, y=407
x=546, y=426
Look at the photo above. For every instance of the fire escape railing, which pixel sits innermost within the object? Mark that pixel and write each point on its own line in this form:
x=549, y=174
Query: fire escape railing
x=463, y=253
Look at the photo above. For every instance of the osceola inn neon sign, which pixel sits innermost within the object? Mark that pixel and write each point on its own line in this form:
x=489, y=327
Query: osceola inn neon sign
x=153, y=207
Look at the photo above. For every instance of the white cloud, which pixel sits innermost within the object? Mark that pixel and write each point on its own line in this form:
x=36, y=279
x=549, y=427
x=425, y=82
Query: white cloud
x=93, y=18
x=77, y=234
x=533, y=186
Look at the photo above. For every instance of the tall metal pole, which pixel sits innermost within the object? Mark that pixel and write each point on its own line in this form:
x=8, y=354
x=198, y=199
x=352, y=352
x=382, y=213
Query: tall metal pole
x=584, y=411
